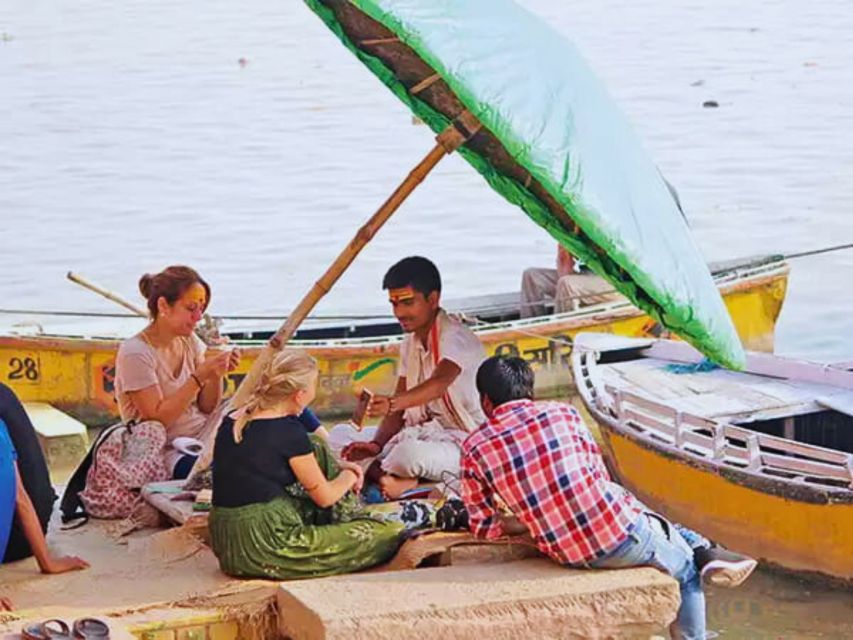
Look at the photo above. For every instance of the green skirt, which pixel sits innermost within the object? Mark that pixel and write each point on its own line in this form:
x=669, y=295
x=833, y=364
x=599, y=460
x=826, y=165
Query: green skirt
x=291, y=537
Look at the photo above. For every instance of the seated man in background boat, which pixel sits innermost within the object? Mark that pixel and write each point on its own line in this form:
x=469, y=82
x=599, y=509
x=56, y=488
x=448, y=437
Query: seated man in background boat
x=570, y=286
x=535, y=468
x=435, y=404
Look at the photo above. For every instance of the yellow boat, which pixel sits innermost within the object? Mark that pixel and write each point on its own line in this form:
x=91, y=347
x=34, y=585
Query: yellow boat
x=75, y=373
x=760, y=461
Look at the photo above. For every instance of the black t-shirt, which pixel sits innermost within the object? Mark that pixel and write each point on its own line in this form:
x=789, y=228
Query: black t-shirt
x=257, y=469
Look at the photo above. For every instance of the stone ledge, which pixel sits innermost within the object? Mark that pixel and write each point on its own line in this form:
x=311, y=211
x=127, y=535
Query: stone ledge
x=528, y=598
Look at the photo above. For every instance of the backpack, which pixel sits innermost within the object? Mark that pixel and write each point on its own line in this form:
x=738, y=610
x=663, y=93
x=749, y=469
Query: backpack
x=109, y=481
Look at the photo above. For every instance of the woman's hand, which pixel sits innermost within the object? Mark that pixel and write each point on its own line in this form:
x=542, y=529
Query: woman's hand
x=356, y=451
x=215, y=365
x=234, y=359
x=63, y=564
x=357, y=470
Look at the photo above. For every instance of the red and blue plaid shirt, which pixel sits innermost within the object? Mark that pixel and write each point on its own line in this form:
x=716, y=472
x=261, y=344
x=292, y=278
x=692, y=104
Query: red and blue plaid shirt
x=541, y=462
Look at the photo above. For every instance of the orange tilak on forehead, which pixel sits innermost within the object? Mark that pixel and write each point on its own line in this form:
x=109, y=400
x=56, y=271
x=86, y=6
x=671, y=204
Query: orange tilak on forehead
x=401, y=294
x=195, y=294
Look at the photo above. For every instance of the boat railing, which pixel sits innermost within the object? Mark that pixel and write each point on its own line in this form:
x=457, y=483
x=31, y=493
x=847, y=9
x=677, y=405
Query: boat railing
x=725, y=443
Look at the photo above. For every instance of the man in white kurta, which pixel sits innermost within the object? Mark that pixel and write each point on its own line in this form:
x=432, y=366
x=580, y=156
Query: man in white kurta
x=435, y=404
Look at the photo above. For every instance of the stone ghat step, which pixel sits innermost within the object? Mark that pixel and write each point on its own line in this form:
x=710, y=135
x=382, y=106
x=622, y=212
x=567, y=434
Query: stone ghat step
x=525, y=599
x=63, y=439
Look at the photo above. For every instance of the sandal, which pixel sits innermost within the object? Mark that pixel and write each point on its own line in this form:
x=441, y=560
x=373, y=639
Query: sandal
x=90, y=628
x=46, y=630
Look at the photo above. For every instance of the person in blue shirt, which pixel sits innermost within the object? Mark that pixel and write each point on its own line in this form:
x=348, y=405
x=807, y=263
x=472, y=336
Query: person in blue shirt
x=14, y=500
x=7, y=493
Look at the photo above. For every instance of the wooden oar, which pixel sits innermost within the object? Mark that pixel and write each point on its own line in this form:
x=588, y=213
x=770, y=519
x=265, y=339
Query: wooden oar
x=109, y=295
x=455, y=135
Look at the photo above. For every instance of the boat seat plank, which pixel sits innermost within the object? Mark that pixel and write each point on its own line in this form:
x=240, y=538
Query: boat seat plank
x=651, y=381
x=712, y=405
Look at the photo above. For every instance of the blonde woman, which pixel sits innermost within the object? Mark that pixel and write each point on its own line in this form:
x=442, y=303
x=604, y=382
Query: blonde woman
x=282, y=507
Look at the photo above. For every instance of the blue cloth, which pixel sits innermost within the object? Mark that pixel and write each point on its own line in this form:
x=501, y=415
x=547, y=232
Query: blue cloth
x=309, y=420
x=7, y=486
x=657, y=543
x=183, y=467
x=371, y=494
x=700, y=367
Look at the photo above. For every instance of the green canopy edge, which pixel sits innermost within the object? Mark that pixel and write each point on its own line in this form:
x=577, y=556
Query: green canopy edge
x=594, y=252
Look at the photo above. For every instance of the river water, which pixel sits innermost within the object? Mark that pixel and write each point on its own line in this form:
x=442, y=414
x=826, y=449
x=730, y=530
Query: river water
x=241, y=138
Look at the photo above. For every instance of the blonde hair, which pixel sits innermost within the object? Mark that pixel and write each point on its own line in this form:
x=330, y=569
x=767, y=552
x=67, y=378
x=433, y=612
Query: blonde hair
x=288, y=371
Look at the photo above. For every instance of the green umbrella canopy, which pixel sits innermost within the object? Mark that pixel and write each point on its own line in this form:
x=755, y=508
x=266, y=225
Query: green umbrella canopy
x=552, y=142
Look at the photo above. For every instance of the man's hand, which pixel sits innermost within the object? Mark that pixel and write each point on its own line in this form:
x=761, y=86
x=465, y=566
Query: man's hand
x=380, y=406
x=63, y=564
x=356, y=451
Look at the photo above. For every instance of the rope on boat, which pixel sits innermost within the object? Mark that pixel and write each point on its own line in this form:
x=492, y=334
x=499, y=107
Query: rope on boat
x=815, y=252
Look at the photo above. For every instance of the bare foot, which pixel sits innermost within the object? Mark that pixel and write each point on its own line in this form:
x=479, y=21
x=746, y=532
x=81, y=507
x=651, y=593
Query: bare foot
x=393, y=487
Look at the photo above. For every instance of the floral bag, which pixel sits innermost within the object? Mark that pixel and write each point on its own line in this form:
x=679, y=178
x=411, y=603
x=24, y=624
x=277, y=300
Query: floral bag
x=124, y=458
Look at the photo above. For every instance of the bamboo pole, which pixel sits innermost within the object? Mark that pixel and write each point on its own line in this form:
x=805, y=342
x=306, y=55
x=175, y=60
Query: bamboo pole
x=453, y=137
x=109, y=295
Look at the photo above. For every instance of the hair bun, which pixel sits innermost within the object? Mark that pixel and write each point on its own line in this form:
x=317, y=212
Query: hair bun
x=145, y=284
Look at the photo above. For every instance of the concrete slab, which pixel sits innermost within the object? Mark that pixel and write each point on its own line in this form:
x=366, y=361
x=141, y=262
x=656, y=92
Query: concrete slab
x=529, y=598
x=63, y=439
x=50, y=422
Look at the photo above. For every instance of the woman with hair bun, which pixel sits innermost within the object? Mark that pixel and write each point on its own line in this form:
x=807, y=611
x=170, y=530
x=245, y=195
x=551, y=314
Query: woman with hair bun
x=165, y=372
x=283, y=508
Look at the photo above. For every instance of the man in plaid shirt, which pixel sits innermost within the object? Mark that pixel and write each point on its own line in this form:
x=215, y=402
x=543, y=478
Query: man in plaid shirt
x=539, y=462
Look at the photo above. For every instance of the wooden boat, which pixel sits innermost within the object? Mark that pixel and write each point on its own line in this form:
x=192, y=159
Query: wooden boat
x=759, y=461
x=75, y=373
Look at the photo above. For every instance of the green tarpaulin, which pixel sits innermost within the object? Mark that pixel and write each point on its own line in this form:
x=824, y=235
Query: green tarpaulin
x=588, y=181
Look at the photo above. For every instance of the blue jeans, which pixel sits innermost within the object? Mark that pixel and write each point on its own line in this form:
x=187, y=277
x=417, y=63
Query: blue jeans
x=657, y=543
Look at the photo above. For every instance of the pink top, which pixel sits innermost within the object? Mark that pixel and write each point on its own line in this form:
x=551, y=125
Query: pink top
x=139, y=365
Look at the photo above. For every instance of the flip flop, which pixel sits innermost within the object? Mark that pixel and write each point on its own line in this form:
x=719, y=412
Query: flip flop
x=90, y=628
x=46, y=630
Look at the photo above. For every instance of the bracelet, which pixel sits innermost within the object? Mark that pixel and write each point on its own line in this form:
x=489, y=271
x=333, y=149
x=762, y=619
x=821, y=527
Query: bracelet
x=197, y=381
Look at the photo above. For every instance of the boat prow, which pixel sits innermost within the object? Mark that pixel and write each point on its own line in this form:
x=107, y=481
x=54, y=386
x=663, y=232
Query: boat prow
x=760, y=460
